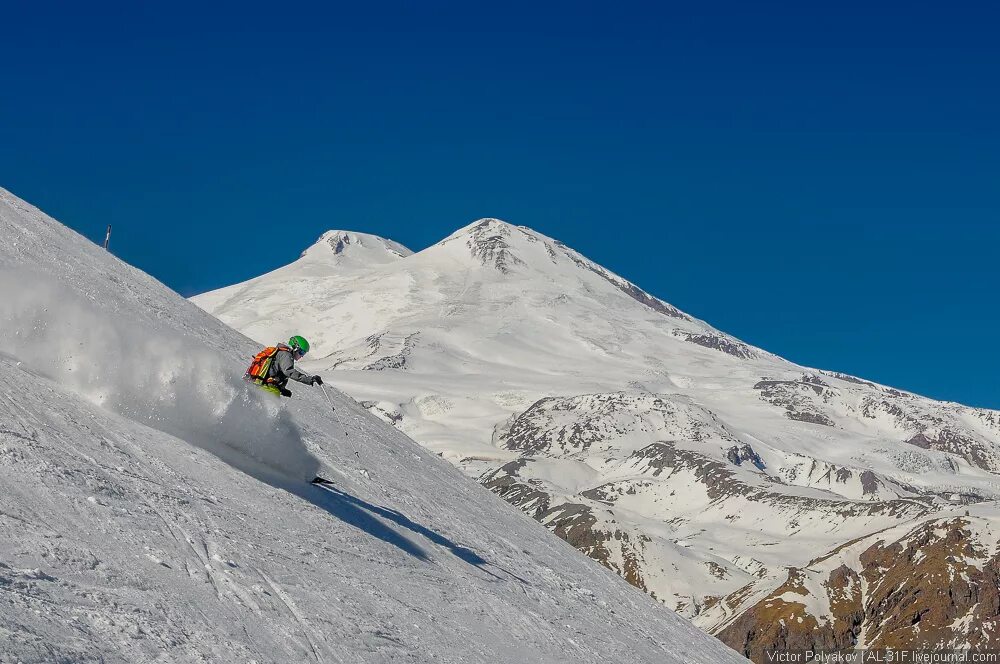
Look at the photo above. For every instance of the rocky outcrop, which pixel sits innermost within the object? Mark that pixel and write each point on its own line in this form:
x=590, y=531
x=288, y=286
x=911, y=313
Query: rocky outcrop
x=567, y=426
x=394, y=361
x=803, y=399
x=720, y=481
x=738, y=454
x=780, y=622
x=488, y=242
x=974, y=451
x=503, y=482
x=936, y=587
x=392, y=416
x=573, y=522
x=725, y=344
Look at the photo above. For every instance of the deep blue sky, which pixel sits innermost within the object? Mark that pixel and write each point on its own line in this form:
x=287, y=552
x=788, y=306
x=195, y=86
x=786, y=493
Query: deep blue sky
x=820, y=180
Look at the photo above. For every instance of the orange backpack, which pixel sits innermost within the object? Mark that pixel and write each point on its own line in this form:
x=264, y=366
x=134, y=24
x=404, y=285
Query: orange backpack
x=261, y=366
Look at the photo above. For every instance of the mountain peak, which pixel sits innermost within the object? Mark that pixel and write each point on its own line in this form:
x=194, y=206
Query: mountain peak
x=494, y=242
x=485, y=225
x=339, y=245
x=508, y=249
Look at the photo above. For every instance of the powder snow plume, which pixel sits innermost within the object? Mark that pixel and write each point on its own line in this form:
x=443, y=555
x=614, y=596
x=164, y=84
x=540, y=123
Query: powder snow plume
x=154, y=376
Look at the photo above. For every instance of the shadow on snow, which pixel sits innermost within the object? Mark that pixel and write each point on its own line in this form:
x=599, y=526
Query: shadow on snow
x=360, y=514
x=363, y=515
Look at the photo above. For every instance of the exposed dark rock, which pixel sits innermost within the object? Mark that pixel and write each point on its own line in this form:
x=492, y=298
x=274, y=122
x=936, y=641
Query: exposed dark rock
x=397, y=361
x=776, y=388
x=600, y=416
x=717, y=570
x=721, y=482
x=393, y=416
x=811, y=418
x=869, y=483
x=725, y=344
x=551, y=252
x=645, y=298
x=925, y=579
x=503, y=482
x=991, y=418
x=575, y=523
x=976, y=452
x=488, y=243
x=737, y=454
x=851, y=379
x=937, y=577
x=780, y=624
x=964, y=498
x=610, y=492
x=801, y=399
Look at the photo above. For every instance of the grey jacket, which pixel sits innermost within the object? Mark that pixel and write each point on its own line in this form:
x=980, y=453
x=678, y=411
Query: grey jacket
x=283, y=368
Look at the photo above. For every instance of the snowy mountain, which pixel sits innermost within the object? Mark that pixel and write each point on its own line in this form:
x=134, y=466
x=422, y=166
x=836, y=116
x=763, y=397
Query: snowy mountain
x=705, y=471
x=154, y=507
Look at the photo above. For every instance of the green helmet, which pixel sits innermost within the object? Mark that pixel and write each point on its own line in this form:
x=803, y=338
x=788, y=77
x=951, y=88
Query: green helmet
x=299, y=343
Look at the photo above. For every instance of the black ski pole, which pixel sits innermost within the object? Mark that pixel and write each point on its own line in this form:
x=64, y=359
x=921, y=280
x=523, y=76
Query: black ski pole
x=333, y=408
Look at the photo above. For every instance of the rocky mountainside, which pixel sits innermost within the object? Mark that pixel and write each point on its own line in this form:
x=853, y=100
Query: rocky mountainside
x=705, y=471
x=927, y=585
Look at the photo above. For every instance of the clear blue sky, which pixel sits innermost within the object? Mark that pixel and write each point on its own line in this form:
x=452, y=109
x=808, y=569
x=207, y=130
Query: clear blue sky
x=819, y=180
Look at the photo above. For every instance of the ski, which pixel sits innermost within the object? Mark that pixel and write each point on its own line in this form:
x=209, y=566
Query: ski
x=321, y=481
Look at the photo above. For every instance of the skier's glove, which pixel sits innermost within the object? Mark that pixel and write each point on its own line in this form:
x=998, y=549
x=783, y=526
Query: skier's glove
x=285, y=392
x=317, y=380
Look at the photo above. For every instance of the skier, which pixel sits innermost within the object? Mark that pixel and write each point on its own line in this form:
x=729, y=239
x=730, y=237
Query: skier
x=275, y=365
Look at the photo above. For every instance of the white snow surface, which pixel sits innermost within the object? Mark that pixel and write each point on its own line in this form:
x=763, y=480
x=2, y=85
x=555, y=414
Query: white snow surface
x=153, y=507
x=561, y=383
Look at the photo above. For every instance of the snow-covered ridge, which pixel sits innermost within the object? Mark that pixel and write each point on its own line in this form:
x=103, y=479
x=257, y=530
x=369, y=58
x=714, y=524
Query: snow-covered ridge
x=149, y=512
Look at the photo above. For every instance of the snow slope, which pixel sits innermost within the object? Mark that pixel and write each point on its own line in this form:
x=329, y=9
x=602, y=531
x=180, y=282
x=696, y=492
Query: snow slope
x=153, y=508
x=691, y=463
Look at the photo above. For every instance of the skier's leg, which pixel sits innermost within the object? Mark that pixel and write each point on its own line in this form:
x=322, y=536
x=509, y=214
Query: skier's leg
x=271, y=388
